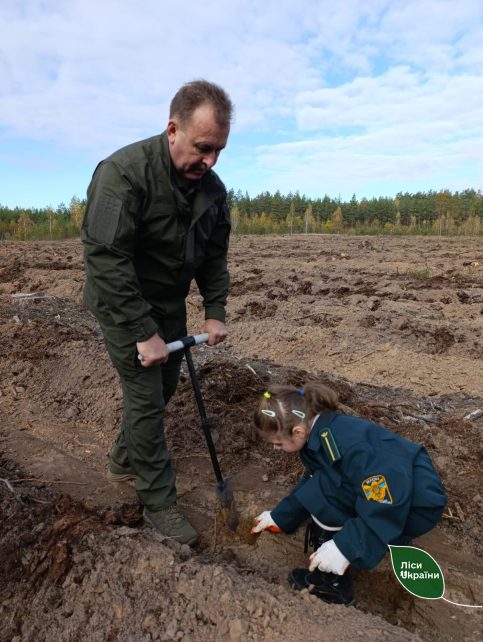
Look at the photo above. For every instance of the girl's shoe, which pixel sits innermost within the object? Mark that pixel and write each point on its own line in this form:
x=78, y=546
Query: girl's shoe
x=336, y=589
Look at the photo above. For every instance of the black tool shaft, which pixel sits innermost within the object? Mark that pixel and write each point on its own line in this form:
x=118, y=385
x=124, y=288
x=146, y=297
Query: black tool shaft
x=204, y=418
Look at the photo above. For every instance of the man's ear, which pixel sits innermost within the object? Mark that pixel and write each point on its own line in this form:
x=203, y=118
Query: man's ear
x=171, y=128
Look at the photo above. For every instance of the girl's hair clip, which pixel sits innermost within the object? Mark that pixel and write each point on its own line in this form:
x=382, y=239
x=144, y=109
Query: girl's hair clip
x=301, y=392
x=298, y=413
x=269, y=413
x=267, y=395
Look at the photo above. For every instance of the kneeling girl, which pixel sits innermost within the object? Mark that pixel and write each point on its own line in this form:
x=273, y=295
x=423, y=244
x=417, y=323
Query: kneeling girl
x=364, y=487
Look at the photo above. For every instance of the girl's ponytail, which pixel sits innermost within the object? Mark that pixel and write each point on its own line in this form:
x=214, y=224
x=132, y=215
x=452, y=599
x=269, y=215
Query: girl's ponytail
x=319, y=397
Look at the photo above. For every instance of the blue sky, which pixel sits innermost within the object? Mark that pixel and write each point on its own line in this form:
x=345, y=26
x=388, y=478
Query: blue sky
x=336, y=98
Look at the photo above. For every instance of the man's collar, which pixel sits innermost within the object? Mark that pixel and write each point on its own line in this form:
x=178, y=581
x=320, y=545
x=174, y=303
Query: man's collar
x=186, y=187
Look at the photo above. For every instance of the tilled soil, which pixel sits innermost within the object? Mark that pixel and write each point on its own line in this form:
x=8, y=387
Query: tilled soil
x=394, y=325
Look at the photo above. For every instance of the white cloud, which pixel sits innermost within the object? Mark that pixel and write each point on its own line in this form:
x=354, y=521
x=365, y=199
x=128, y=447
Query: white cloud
x=400, y=96
x=385, y=87
x=113, y=65
x=359, y=164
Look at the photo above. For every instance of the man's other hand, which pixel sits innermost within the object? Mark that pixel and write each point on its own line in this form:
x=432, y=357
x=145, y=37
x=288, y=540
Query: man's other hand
x=216, y=331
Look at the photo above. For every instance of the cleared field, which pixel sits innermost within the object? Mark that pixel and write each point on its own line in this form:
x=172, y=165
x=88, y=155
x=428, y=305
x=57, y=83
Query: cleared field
x=394, y=324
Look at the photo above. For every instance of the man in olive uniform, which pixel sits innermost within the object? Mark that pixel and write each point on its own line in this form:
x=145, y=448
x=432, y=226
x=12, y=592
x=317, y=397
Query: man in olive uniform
x=156, y=219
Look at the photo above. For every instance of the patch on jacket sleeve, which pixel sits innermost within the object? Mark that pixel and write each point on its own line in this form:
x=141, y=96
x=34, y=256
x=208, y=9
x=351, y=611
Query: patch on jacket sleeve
x=376, y=488
x=104, y=218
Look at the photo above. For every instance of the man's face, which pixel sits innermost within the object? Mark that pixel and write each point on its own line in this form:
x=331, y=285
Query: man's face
x=194, y=146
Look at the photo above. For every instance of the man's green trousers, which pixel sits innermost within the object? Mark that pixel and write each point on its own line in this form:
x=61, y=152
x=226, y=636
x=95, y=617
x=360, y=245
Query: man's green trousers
x=141, y=444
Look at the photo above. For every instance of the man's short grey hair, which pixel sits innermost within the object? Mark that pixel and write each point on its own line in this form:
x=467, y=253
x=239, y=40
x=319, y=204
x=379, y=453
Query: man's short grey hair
x=197, y=92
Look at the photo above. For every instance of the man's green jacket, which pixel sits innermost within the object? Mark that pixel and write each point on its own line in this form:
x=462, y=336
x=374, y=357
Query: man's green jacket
x=145, y=240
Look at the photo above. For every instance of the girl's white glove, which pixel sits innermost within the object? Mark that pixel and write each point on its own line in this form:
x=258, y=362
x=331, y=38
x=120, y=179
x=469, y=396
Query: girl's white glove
x=264, y=522
x=329, y=559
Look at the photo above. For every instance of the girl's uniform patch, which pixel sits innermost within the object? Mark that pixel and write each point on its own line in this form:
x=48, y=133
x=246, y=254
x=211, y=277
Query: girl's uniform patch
x=376, y=488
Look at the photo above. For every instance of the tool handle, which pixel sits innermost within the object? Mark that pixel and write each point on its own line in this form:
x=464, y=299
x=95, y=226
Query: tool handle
x=204, y=418
x=185, y=342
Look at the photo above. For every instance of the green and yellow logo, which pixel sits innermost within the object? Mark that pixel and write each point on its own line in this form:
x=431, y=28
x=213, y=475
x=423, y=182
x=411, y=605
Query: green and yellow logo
x=420, y=574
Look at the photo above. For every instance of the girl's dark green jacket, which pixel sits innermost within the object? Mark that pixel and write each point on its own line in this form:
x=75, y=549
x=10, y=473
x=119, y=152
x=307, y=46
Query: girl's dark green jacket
x=379, y=487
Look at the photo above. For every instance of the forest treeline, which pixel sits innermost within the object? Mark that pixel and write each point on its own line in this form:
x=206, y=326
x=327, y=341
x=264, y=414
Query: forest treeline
x=424, y=213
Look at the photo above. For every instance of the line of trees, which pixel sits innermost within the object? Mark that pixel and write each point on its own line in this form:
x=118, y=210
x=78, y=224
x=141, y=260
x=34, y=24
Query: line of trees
x=443, y=213
x=26, y=224
x=430, y=212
